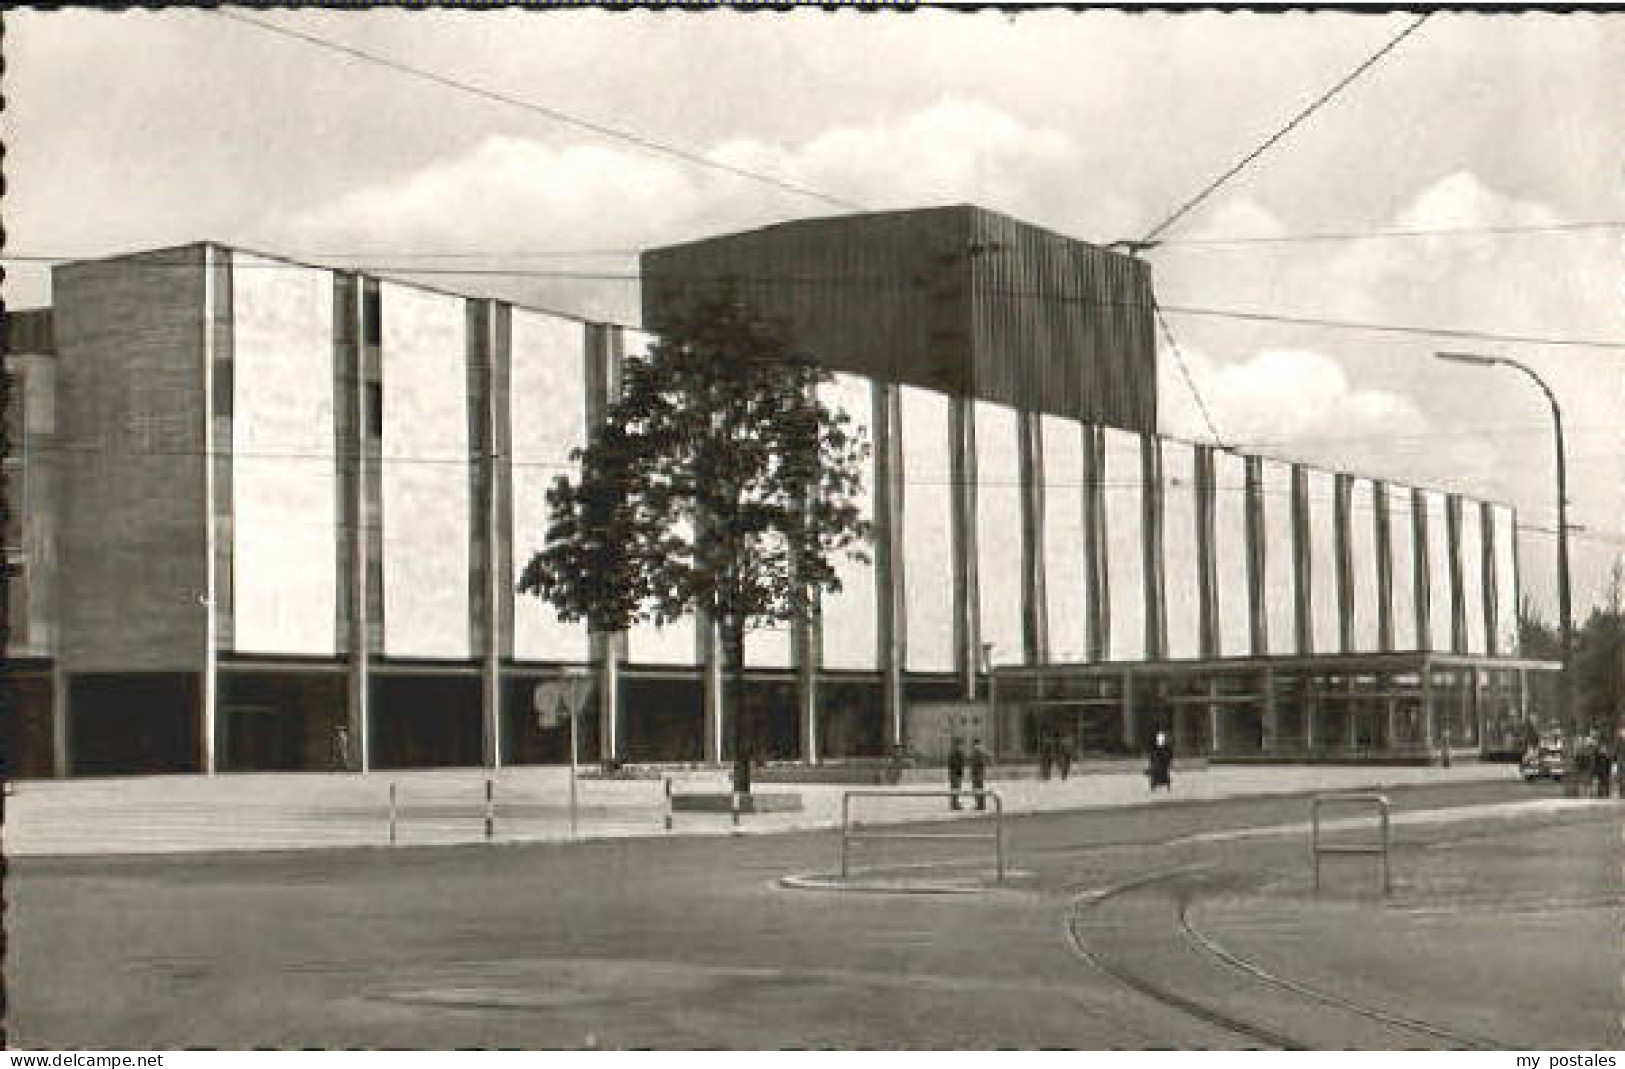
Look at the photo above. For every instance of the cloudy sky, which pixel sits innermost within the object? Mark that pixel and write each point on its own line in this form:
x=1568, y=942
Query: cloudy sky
x=138, y=129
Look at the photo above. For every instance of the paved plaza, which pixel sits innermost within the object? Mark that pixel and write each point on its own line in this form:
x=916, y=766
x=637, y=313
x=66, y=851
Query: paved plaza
x=160, y=814
x=1158, y=924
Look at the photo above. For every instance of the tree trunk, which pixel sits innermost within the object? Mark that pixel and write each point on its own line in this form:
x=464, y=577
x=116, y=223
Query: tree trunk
x=733, y=706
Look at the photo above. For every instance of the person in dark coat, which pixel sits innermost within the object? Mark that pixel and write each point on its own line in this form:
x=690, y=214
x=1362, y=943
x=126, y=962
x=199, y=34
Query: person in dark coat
x=1066, y=758
x=1602, y=768
x=1161, y=767
x=956, y=772
x=1584, y=762
x=978, y=773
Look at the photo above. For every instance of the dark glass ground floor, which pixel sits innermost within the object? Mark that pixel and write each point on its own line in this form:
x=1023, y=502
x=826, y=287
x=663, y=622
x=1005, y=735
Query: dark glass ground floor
x=298, y=717
x=1380, y=706
x=293, y=717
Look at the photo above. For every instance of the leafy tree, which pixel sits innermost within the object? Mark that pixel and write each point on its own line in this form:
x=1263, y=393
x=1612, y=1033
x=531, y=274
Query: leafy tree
x=1599, y=658
x=719, y=483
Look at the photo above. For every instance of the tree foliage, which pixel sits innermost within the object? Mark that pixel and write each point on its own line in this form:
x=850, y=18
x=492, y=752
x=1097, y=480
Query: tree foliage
x=1599, y=657
x=719, y=482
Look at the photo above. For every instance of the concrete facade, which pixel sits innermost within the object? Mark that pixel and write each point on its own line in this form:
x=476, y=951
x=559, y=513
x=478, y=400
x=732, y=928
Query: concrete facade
x=291, y=504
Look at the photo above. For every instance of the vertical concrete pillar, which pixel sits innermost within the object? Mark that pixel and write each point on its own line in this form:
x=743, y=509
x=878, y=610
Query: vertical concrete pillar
x=1272, y=713
x=1458, y=575
x=1489, y=579
x=1257, y=612
x=1206, y=554
x=604, y=348
x=1475, y=709
x=1152, y=489
x=1343, y=523
x=1312, y=708
x=356, y=476
x=1426, y=639
x=1429, y=716
x=714, y=687
x=1391, y=706
x=1216, y=713
x=962, y=454
x=807, y=654
x=488, y=351
x=1131, y=725
x=606, y=658
x=208, y=712
x=889, y=573
x=1385, y=566
x=1303, y=594
x=61, y=719
x=1351, y=727
x=1035, y=614
x=1094, y=548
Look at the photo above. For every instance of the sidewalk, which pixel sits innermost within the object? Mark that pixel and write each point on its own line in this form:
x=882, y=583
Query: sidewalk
x=176, y=814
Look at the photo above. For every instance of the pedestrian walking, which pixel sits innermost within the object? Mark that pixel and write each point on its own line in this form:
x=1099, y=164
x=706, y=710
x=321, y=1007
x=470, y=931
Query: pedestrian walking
x=1066, y=758
x=956, y=772
x=978, y=773
x=1585, y=755
x=1046, y=750
x=1602, y=768
x=341, y=747
x=1160, y=769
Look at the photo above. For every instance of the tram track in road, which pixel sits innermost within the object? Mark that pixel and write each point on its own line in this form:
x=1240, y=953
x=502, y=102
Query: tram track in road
x=1173, y=934
x=1326, y=998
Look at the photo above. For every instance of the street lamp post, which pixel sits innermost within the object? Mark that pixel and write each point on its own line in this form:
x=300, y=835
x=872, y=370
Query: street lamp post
x=1564, y=610
x=992, y=696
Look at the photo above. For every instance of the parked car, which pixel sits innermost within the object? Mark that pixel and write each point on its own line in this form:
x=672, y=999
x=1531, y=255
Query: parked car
x=1543, y=761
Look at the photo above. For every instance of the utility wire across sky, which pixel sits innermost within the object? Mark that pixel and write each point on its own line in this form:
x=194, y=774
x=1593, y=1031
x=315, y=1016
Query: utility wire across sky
x=564, y=118
x=1533, y=229
x=1325, y=98
x=1577, y=227
x=1421, y=330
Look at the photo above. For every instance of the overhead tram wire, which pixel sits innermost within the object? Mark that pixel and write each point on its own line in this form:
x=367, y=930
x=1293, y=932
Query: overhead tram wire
x=1395, y=328
x=1149, y=241
x=1185, y=373
x=1319, y=102
x=554, y=114
x=1576, y=227
x=832, y=280
x=1601, y=537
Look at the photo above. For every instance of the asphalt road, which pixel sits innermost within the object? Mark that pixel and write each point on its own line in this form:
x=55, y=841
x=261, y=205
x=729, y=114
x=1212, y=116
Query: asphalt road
x=1502, y=932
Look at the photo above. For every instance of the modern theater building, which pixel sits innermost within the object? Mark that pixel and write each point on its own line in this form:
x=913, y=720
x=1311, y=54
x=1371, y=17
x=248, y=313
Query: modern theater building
x=261, y=500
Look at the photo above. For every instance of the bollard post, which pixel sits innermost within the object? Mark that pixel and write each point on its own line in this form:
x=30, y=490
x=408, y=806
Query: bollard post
x=668, y=803
x=490, y=810
x=1387, y=877
x=998, y=838
x=846, y=801
x=391, y=812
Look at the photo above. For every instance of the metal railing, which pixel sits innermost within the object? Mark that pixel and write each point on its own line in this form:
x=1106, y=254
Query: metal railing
x=1318, y=848
x=487, y=812
x=849, y=835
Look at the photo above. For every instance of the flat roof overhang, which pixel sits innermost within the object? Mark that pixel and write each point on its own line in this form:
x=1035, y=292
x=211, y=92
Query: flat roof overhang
x=1393, y=661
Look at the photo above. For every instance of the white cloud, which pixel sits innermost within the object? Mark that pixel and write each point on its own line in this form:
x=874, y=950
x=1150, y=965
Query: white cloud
x=1461, y=200
x=1281, y=400
x=512, y=194
x=951, y=151
x=1374, y=404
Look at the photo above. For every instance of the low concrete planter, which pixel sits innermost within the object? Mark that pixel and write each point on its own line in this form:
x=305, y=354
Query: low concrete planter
x=722, y=802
